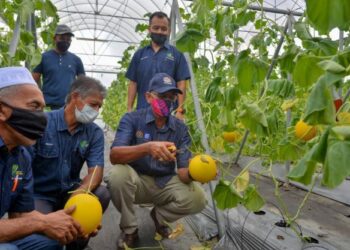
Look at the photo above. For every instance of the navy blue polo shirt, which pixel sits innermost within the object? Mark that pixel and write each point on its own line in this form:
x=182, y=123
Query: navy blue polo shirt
x=146, y=63
x=58, y=71
x=139, y=127
x=16, y=180
x=59, y=155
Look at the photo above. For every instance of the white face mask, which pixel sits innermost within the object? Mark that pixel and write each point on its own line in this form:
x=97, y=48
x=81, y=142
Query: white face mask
x=86, y=115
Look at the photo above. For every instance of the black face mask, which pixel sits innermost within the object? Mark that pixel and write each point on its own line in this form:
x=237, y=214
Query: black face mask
x=62, y=46
x=30, y=124
x=159, y=39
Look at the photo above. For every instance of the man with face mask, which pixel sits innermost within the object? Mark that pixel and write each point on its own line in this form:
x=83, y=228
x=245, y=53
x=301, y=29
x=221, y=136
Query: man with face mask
x=22, y=122
x=148, y=168
x=158, y=57
x=58, y=68
x=71, y=138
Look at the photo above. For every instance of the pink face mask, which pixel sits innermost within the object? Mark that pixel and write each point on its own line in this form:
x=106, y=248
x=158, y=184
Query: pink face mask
x=160, y=108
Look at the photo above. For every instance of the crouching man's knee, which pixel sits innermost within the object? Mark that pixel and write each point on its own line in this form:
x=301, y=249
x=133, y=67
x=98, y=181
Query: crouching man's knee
x=37, y=242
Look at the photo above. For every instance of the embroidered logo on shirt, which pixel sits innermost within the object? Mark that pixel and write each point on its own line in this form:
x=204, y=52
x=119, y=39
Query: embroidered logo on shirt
x=83, y=144
x=170, y=56
x=139, y=134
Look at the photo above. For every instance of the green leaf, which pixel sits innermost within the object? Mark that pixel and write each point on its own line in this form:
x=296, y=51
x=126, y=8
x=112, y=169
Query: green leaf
x=244, y=17
x=231, y=96
x=223, y=25
x=324, y=15
x=272, y=121
x=288, y=151
x=341, y=132
x=25, y=9
x=286, y=60
x=302, y=31
x=306, y=70
x=306, y=167
x=50, y=9
x=226, y=196
x=213, y=91
x=202, y=9
x=331, y=66
x=188, y=40
x=252, y=200
x=321, y=46
x=248, y=71
x=319, y=107
x=337, y=166
x=253, y=119
x=281, y=88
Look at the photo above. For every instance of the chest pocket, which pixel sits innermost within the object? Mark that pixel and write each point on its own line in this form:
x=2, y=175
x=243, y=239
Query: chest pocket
x=47, y=147
x=167, y=65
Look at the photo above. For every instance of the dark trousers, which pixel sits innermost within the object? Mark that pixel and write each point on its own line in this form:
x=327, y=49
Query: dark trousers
x=46, y=206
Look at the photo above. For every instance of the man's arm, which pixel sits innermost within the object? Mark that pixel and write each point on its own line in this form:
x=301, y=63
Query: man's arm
x=37, y=78
x=157, y=149
x=95, y=182
x=132, y=90
x=181, y=98
x=58, y=225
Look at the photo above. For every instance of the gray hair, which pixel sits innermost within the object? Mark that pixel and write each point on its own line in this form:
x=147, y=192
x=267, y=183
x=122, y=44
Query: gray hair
x=8, y=92
x=86, y=86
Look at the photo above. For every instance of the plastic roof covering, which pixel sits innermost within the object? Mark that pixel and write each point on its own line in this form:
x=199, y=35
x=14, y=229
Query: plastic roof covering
x=105, y=28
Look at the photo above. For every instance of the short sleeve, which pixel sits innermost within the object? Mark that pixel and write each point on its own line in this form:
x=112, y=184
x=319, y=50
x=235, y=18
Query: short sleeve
x=125, y=132
x=39, y=67
x=131, y=73
x=80, y=67
x=182, y=71
x=96, y=150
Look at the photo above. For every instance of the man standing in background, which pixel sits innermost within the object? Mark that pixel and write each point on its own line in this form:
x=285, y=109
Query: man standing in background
x=158, y=57
x=59, y=68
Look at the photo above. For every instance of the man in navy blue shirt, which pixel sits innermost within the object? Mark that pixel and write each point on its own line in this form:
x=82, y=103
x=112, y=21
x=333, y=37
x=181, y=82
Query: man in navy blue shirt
x=149, y=168
x=71, y=138
x=158, y=57
x=59, y=68
x=22, y=122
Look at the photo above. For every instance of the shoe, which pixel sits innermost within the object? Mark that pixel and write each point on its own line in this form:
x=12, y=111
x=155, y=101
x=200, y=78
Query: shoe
x=163, y=230
x=127, y=239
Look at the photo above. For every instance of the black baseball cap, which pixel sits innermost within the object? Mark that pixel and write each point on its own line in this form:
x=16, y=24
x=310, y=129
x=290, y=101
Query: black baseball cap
x=63, y=29
x=161, y=83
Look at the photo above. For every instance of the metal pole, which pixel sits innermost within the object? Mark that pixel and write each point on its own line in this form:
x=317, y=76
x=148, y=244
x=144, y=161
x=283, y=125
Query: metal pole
x=29, y=29
x=265, y=9
x=15, y=37
x=273, y=62
x=199, y=115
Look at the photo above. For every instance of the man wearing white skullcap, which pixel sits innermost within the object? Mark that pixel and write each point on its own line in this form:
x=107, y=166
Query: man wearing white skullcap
x=22, y=122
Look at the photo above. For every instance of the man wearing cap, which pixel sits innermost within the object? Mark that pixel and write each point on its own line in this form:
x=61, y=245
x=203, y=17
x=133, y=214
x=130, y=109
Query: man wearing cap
x=59, y=68
x=158, y=57
x=148, y=169
x=22, y=122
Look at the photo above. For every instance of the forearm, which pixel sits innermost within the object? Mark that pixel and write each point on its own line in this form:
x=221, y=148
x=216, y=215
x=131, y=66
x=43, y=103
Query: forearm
x=181, y=98
x=126, y=154
x=20, y=225
x=92, y=180
x=132, y=90
x=184, y=175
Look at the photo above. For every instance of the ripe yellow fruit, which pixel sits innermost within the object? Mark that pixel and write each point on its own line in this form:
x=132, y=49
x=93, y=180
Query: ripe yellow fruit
x=88, y=211
x=203, y=168
x=305, y=132
x=232, y=136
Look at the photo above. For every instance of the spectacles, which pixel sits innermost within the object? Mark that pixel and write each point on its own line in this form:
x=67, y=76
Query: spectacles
x=166, y=96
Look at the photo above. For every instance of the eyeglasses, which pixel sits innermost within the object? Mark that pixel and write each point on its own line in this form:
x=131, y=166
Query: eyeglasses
x=166, y=96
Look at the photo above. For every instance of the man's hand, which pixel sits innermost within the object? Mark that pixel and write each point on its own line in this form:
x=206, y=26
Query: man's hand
x=160, y=150
x=61, y=226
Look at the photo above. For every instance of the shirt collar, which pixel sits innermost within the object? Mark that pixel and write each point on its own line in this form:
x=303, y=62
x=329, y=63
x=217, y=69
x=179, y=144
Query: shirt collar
x=166, y=46
x=150, y=118
x=62, y=125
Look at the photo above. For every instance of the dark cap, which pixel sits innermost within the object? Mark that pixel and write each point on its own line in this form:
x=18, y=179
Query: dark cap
x=161, y=83
x=63, y=29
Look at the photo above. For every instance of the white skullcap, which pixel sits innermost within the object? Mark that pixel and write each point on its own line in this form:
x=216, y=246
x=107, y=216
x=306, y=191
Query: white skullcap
x=10, y=76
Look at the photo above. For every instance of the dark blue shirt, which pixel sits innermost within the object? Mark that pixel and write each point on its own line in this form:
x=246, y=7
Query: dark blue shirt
x=16, y=180
x=146, y=63
x=58, y=71
x=59, y=156
x=139, y=127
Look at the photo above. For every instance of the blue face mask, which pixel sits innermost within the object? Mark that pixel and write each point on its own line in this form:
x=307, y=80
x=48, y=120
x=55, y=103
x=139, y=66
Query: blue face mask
x=86, y=115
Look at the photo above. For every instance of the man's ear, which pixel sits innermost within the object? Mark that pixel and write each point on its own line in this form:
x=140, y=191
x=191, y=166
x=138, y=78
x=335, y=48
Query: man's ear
x=4, y=112
x=148, y=97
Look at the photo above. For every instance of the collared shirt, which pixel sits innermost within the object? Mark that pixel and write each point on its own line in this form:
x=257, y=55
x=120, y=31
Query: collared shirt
x=139, y=127
x=59, y=155
x=146, y=63
x=59, y=71
x=16, y=180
